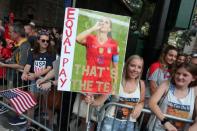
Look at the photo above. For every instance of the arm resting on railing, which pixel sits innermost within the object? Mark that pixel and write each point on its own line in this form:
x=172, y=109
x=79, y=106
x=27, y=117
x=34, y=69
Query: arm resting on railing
x=14, y=66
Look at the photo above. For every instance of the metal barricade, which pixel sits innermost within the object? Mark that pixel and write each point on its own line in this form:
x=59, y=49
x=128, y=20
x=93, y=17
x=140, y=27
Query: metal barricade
x=49, y=113
x=102, y=112
x=83, y=116
x=60, y=118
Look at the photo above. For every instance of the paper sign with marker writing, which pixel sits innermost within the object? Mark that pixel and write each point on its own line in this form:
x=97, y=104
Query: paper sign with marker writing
x=93, y=51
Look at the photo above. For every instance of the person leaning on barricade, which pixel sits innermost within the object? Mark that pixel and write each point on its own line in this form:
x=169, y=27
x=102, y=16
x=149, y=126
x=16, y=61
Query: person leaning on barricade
x=18, y=60
x=5, y=54
x=132, y=92
x=19, y=57
x=176, y=98
x=55, y=97
x=160, y=71
x=39, y=63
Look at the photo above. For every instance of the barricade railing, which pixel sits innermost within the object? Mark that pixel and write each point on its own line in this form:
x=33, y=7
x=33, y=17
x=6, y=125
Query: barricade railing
x=102, y=112
x=25, y=116
x=83, y=115
x=14, y=81
x=46, y=102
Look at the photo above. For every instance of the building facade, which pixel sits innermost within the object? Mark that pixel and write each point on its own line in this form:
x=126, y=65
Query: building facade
x=45, y=13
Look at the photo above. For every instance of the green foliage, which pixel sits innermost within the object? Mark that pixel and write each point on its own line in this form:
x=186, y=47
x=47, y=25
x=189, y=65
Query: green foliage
x=145, y=29
x=180, y=38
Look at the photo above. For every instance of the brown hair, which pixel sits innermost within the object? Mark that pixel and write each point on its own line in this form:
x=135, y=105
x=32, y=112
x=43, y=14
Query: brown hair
x=165, y=52
x=191, y=68
x=36, y=48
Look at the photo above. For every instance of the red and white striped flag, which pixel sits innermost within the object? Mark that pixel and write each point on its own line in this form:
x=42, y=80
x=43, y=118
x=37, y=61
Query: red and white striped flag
x=21, y=100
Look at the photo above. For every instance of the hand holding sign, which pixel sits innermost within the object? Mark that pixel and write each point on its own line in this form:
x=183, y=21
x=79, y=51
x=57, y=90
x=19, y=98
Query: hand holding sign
x=89, y=98
x=96, y=67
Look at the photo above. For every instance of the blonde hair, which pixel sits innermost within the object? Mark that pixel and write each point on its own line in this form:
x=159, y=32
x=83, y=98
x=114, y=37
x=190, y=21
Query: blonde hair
x=125, y=76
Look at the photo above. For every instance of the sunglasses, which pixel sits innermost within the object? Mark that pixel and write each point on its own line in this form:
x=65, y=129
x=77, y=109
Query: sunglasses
x=43, y=41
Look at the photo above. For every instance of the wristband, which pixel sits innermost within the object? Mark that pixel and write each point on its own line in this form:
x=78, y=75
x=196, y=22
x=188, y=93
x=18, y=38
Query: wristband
x=164, y=121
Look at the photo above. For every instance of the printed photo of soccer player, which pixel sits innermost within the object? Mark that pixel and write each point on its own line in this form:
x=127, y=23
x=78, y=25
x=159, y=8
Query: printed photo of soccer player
x=101, y=53
x=101, y=70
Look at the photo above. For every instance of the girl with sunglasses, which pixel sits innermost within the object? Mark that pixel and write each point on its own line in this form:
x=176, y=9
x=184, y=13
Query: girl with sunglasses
x=39, y=62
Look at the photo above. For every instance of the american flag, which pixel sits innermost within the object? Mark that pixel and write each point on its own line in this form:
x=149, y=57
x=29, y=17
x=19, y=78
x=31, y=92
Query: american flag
x=21, y=100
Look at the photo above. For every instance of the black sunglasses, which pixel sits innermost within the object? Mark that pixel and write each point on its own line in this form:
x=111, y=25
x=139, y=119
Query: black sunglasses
x=43, y=41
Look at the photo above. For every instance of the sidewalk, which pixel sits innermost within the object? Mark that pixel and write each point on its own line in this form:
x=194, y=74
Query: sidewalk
x=5, y=126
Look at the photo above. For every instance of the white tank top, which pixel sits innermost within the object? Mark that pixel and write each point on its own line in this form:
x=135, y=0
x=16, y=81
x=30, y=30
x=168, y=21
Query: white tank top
x=125, y=98
x=179, y=107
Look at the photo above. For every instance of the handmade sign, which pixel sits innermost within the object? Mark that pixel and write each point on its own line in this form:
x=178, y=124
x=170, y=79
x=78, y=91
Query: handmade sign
x=93, y=51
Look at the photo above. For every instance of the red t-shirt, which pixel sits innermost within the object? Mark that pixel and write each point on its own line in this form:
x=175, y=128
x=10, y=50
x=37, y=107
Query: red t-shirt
x=98, y=61
x=5, y=53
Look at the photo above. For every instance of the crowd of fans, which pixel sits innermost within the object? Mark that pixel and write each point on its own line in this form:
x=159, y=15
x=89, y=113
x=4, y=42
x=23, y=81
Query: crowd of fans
x=33, y=50
x=170, y=82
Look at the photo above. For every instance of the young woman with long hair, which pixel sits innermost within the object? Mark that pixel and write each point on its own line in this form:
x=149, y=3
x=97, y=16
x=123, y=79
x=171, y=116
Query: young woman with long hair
x=39, y=63
x=132, y=92
x=177, y=98
x=160, y=70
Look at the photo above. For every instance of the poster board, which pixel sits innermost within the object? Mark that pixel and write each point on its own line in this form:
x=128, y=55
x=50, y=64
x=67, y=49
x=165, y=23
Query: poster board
x=93, y=51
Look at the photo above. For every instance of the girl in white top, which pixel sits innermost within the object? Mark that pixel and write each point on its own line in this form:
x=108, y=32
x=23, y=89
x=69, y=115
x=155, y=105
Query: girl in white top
x=179, y=100
x=132, y=93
